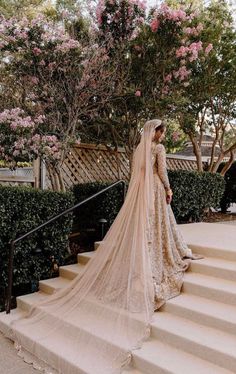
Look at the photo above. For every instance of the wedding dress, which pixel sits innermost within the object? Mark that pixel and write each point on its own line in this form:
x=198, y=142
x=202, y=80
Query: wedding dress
x=93, y=325
x=168, y=248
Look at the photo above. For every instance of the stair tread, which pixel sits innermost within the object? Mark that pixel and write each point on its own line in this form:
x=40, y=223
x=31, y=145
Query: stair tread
x=192, y=331
x=132, y=371
x=56, y=283
x=215, y=262
x=15, y=314
x=210, y=282
x=86, y=254
x=175, y=360
x=205, y=306
x=209, y=235
x=96, y=333
x=33, y=298
x=73, y=267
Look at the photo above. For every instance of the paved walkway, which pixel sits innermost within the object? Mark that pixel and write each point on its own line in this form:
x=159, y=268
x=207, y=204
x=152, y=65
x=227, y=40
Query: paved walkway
x=232, y=210
x=10, y=363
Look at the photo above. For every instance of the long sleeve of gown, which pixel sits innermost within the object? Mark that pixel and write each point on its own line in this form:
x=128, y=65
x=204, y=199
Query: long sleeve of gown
x=161, y=166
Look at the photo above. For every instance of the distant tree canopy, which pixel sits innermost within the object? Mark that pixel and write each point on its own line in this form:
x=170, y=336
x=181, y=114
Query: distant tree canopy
x=70, y=70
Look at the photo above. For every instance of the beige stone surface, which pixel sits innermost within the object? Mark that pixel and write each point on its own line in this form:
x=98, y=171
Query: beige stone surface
x=10, y=363
x=192, y=322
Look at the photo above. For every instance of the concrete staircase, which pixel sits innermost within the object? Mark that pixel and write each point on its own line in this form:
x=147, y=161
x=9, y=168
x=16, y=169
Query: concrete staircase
x=194, y=333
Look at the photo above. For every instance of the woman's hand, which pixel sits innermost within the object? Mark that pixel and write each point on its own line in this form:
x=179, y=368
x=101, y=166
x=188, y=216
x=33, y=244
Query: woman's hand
x=169, y=195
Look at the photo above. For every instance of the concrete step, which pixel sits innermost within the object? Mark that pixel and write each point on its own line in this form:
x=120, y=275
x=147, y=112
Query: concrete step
x=5, y=319
x=156, y=357
x=217, y=289
x=204, y=311
x=207, y=343
x=84, y=257
x=57, y=353
x=215, y=267
x=49, y=286
x=132, y=371
x=217, y=252
x=70, y=271
x=211, y=239
x=26, y=301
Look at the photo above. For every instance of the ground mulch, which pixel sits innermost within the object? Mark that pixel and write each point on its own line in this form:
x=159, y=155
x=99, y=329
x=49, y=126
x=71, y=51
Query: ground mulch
x=219, y=217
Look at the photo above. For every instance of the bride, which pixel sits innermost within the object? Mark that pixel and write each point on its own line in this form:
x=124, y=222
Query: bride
x=93, y=325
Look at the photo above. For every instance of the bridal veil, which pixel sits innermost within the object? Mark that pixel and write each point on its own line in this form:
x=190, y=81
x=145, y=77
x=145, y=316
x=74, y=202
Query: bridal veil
x=106, y=310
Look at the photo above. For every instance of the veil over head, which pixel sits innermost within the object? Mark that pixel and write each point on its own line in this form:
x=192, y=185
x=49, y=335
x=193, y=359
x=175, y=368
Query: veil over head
x=106, y=311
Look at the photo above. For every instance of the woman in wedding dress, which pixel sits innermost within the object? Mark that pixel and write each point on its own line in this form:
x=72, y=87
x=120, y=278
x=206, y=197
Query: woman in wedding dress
x=93, y=325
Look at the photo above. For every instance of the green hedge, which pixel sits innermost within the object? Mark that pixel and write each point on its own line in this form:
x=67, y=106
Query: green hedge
x=21, y=209
x=195, y=192
x=106, y=205
x=230, y=188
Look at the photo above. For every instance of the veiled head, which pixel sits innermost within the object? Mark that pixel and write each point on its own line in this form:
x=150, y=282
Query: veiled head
x=149, y=128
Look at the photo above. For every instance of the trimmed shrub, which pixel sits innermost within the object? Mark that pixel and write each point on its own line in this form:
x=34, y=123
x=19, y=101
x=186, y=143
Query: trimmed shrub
x=194, y=193
x=230, y=188
x=22, y=209
x=105, y=206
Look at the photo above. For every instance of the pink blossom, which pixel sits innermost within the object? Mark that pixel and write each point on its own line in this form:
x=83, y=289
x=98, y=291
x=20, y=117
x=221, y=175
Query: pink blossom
x=175, y=136
x=155, y=25
x=182, y=73
x=208, y=48
x=51, y=65
x=37, y=51
x=172, y=14
x=34, y=80
x=64, y=13
x=165, y=90
x=200, y=27
x=195, y=46
x=16, y=153
x=168, y=78
x=99, y=10
x=140, y=20
x=67, y=45
x=188, y=30
x=141, y=4
x=182, y=51
x=138, y=93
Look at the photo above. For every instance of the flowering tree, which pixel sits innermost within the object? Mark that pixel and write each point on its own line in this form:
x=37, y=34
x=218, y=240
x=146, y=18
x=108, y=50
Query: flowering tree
x=21, y=137
x=209, y=106
x=57, y=78
x=156, y=55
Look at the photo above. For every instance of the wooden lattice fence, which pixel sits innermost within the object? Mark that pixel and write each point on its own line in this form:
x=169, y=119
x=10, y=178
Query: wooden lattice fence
x=90, y=163
x=87, y=163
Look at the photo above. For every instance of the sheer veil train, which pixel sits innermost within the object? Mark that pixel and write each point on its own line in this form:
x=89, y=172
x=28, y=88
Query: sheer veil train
x=106, y=311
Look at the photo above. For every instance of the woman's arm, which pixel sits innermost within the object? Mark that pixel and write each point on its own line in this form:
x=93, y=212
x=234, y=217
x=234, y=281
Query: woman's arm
x=162, y=169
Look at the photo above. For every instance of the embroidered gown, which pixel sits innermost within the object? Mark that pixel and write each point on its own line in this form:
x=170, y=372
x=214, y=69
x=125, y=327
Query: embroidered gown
x=168, y=247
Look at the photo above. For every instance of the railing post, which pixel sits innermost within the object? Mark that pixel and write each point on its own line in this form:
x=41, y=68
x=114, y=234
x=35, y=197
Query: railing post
x=10, y=276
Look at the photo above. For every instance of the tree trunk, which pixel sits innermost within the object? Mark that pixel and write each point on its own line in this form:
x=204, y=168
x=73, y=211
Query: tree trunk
x=228, y=164
x=197, y=152
x=217, y=163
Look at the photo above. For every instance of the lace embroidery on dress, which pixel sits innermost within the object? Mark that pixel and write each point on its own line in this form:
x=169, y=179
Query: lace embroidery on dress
x=168, y=247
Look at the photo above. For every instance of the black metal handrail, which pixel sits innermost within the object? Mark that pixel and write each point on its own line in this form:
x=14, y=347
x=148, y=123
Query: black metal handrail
x=13, y=242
